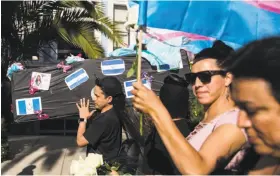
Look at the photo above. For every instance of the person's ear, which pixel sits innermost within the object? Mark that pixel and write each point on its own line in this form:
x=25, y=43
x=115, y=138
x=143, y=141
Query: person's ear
x=109, y=99
x=93, y=94
x=228, y=79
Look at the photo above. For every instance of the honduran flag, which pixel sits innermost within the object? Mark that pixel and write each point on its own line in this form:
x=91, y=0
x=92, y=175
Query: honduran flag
x=234, y=22
x=76, y=79
x=128, y=87
x=112, y=67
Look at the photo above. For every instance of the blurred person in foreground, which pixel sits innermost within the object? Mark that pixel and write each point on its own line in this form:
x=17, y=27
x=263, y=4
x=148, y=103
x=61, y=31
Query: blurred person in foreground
x=256, y=91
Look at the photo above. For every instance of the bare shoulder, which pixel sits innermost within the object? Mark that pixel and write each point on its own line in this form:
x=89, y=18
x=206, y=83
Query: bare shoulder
x=228, y=138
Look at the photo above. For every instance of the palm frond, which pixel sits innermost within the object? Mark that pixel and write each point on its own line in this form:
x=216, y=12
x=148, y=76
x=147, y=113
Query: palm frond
x=81, y=35
x=69, y=4
x=109, y=29
x=73, y=14
x=30, y=24
x=103, y=24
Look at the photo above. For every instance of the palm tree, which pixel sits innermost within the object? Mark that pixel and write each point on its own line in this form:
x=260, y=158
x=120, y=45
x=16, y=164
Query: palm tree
x=27, y=26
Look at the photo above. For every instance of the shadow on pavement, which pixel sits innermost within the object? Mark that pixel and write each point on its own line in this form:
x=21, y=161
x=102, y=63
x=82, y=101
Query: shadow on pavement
x=49, y=149
x=28, y=170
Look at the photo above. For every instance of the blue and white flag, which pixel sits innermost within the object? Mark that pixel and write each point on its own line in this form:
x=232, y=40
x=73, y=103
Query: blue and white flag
x=202, y=22
x=112, y=67
x=128, y=87
x=77, y=78
x=27, y=106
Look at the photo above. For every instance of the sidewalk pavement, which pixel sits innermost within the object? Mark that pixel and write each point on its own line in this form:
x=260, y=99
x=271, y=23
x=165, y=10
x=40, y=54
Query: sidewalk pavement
x=41, y=155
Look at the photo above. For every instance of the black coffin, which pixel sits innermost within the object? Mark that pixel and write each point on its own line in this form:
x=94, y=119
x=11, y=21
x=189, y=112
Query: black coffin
x=59, y=101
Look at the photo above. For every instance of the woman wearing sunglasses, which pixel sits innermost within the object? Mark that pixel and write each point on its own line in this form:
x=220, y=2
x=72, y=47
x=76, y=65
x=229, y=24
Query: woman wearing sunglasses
x=216, y=143
x=256, y=91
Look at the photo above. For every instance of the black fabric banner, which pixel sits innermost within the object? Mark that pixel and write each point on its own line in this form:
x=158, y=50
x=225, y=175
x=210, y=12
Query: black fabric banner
x=59, y=101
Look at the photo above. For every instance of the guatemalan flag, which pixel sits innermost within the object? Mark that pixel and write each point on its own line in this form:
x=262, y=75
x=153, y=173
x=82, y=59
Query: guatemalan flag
x=234, y=22
x=27, y=106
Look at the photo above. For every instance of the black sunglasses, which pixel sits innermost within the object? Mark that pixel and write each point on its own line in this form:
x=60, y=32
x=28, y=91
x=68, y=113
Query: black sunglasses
x=204, y=76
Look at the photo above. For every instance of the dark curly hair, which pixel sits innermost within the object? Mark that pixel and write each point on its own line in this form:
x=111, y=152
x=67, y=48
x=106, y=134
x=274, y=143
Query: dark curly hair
x=258, y=59
x=219, y=51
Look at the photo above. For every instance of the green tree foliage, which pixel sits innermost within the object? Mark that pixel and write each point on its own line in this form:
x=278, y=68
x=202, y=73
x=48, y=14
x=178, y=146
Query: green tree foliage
x=27, y=26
